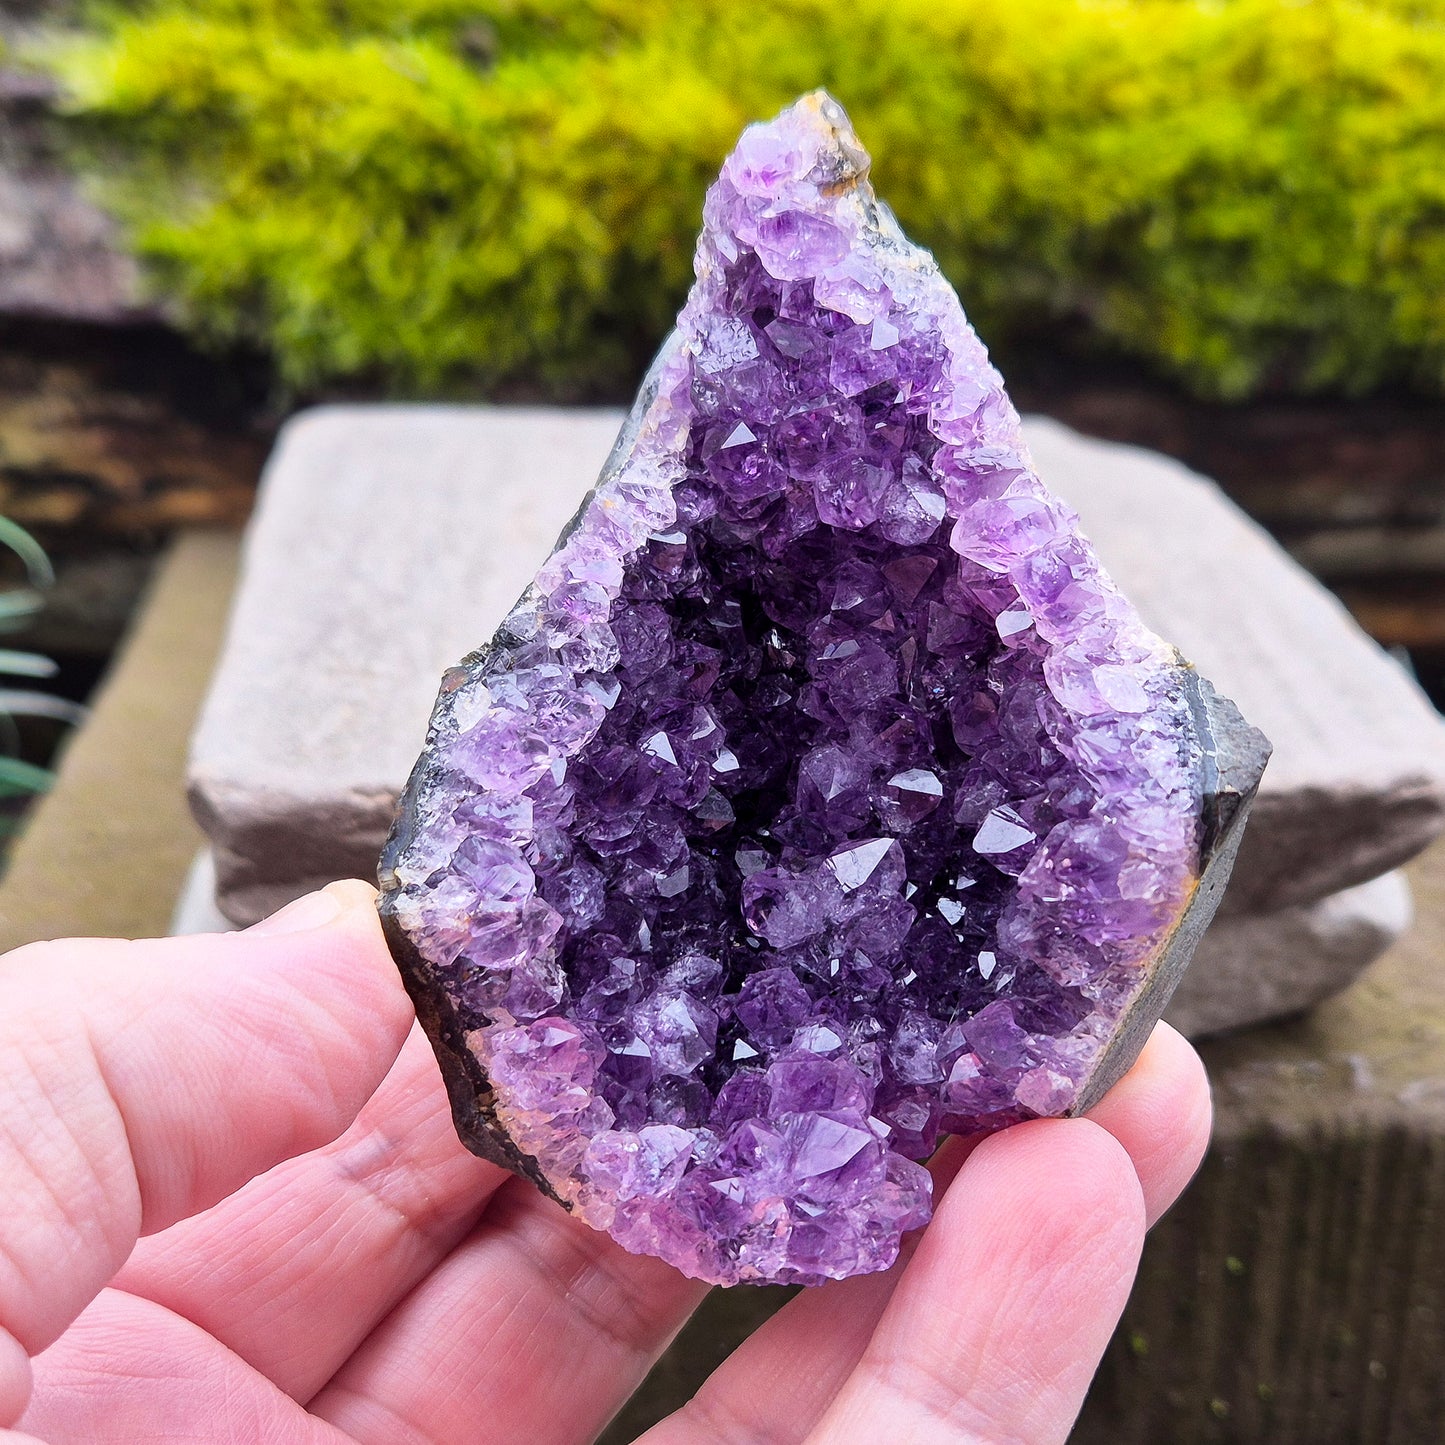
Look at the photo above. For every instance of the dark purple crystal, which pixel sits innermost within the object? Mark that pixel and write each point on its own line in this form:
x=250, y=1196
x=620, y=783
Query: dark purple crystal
x=822, y=795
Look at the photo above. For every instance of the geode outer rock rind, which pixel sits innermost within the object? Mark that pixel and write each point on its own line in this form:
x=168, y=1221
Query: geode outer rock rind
x=822, y=795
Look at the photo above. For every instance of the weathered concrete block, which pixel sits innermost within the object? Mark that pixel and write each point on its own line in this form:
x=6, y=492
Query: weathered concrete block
x=60, y=255
x=1254, y=966
x=1296, y=1296
x=390, y=540
x=1247, y=967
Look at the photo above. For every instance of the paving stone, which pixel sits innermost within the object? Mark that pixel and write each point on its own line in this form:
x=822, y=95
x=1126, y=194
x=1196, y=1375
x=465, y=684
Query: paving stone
x=195, y=908
x=1254, y=966
x=390, y=539
x=1247, y=968
x=1357, y=781
x=1296, y=1295
x=60, y=255
x=106, y=850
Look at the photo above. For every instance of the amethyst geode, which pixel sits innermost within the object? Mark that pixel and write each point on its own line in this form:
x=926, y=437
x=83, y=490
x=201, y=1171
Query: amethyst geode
x=822, y=795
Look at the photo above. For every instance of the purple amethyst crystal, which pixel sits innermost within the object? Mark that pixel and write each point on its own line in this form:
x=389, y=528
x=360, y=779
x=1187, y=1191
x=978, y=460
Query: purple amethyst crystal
x=822, y=795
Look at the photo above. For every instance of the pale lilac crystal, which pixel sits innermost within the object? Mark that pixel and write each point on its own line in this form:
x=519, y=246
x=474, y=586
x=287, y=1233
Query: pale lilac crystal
x=823, y=795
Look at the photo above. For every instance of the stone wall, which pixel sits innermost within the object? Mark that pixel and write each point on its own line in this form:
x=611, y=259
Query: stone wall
x=114, y=431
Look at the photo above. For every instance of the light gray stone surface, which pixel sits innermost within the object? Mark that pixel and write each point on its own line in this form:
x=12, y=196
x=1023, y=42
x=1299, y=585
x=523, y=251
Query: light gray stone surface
x=389, y=540
x=195, y=910
x=61, y=256
x=1256, y=966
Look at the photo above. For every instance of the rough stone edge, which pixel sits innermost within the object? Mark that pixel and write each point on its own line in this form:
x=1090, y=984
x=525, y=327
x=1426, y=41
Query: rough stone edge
x=1232, y=763
x=469, y=1089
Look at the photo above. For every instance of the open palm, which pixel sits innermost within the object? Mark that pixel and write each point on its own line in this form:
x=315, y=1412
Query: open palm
x=320, y=1260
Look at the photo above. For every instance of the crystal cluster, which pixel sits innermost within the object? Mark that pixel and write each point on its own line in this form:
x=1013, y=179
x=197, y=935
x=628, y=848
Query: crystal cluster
x=822, y=795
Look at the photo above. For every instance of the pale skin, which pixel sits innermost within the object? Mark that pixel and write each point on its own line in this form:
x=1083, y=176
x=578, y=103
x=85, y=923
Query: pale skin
x=233, y=1207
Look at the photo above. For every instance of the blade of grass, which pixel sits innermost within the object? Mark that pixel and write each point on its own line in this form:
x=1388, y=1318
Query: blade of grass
x=18, y=606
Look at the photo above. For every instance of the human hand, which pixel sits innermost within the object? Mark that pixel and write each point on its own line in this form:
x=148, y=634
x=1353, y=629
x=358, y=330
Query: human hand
x=192, y=1253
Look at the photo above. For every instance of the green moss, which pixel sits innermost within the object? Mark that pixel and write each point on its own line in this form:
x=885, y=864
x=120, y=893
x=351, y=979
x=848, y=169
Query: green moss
x=1248, y=193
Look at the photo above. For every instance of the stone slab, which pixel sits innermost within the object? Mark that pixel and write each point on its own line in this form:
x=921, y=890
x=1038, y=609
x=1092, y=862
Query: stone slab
x=1246, y=968
x=106, y=851
x=1296, y=1296
x=1255, y=966
x=389, y=541
x=61, y=256
x=195, y=908
x=1357, y=781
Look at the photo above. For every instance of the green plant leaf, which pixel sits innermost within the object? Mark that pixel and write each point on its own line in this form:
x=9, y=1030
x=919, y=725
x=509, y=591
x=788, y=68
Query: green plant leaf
x=26, y=664
x=30, y=552
x=21, y=779
x=17, y=606
x=22, y=702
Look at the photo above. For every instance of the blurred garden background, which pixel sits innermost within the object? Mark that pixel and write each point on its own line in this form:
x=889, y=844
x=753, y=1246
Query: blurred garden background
x=1217, y=229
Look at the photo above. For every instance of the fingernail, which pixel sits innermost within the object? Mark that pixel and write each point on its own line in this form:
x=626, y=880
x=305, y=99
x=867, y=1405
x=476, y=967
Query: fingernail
x=315, y=910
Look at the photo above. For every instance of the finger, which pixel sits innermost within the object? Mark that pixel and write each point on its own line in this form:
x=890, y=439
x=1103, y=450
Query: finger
x=130, y=1371
x=15, y=1379
x=294, y=1270
x=774, y=1386
x=997, y=1324
x=778, y=1382
x=1160, y=1111
x=537, y=1325
x=141, y=1082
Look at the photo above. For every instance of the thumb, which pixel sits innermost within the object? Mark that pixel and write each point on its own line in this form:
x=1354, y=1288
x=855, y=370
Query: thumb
x=140, y=1082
